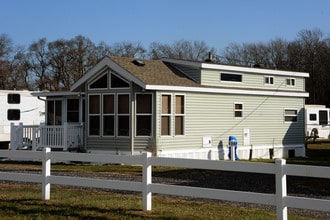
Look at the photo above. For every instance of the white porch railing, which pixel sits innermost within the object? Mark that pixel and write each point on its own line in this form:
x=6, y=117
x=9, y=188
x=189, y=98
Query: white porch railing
x=32, y=137
x=280, y=169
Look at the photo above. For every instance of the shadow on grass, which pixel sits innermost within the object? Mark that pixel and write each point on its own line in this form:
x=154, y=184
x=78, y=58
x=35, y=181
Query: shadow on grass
x=34, y=208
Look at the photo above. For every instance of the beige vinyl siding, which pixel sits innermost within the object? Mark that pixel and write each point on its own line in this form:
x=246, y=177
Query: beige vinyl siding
x=212, y=115
x=251, y=80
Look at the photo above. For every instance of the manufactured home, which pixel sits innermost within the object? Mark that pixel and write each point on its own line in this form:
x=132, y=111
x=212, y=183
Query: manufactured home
x=18, y=106
x=317, y=121
x=179, y=108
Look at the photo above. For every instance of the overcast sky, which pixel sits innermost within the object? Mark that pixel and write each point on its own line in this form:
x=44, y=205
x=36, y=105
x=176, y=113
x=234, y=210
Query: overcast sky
x=218, y=23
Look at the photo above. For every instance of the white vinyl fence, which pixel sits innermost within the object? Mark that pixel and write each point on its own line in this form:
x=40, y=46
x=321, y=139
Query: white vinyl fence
x=280, y=169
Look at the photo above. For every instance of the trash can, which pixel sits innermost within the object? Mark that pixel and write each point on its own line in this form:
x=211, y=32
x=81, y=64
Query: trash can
x=232, y=143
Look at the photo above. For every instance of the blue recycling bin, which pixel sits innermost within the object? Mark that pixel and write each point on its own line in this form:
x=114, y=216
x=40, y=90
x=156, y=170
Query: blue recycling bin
x=232, y=141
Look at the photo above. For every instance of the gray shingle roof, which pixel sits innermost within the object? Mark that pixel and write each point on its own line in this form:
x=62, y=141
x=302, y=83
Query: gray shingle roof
x=154, y=72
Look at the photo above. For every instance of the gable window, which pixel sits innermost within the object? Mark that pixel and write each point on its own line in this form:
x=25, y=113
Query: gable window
x=269, y=80
x=290, y=115
x=290, y=82
x=117, y=82
x=238, y=110
x=143, y=114
x=179, y=114
x=166, y=115
x=13, y=98
x=231, y=77
x=13, y=114
x=100, y=83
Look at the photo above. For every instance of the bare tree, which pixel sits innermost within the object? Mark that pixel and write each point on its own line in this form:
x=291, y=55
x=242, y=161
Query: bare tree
x=6, y=47
x=183, y=49
x=128, y=49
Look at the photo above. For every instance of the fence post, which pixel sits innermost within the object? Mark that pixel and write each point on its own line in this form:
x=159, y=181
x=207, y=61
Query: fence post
x=281, y=191
x=146, y=181
x=65, y=136
x=46, y=162
x=34, y=138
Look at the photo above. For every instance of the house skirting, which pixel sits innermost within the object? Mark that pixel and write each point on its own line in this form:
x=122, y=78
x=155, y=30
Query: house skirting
x=246, y=153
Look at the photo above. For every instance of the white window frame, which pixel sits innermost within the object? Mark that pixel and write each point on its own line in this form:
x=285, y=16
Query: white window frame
x=97, y=78
x=144, y=114
x=182, y=115
x=291, y=115
x=269, y=80
x=292, y=82
x=238, y=110
x=108, y=114
x=99, y=114
x=122, y=114
x=170, y=115
x=228, y=81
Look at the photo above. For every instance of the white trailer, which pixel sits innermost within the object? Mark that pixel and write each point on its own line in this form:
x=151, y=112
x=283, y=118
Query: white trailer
x=317, y=120
x=18, y=106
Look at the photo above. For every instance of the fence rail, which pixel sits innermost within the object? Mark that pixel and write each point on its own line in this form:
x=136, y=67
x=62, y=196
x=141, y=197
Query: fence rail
x=280, y=169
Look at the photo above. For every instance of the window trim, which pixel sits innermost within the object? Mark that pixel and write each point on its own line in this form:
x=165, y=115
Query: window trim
x=99, y=114
x=170, y=115
x=116, y=75
x=179, y=115
x=270, y=79
x=108, y=114
x=231, y=81
x=97, y=78
x=122, y=114
x=144, y=114
x=238, y=110
x=291, y=115
x=290, y=80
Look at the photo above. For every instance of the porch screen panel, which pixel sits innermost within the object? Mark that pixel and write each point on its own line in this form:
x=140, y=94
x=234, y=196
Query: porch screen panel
x=73, y=110
x=179, y=114
x=108, y=115
x=123, y=115
x=166, y=115
x=94, y=115
x=143, y=114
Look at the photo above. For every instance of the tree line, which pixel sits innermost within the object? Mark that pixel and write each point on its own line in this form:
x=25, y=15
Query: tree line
x=56, y=65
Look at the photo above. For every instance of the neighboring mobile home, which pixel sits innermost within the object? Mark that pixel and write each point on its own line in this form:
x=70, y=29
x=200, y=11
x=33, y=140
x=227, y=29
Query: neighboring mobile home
x=178, y=108
x=18, y=106
x=317, y=117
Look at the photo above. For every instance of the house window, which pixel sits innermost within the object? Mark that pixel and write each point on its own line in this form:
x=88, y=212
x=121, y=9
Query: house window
x=100, y=83
x=166, y=115
x=269, y=80
x=54, y=112
x=13, y=114
x=109, y=115
x=143, y=114
x=312, y=117
x=290, y=115
x=117, y=82
x=73, y=110
x=179, y=114
x=230, y=77
x=238, y=110
x=123, y=115
x=323, y=117
x=13, y=98
x=94, y=114
x=290, y=82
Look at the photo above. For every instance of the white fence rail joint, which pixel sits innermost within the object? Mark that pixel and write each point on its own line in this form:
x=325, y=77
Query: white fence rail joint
x=280, y=169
